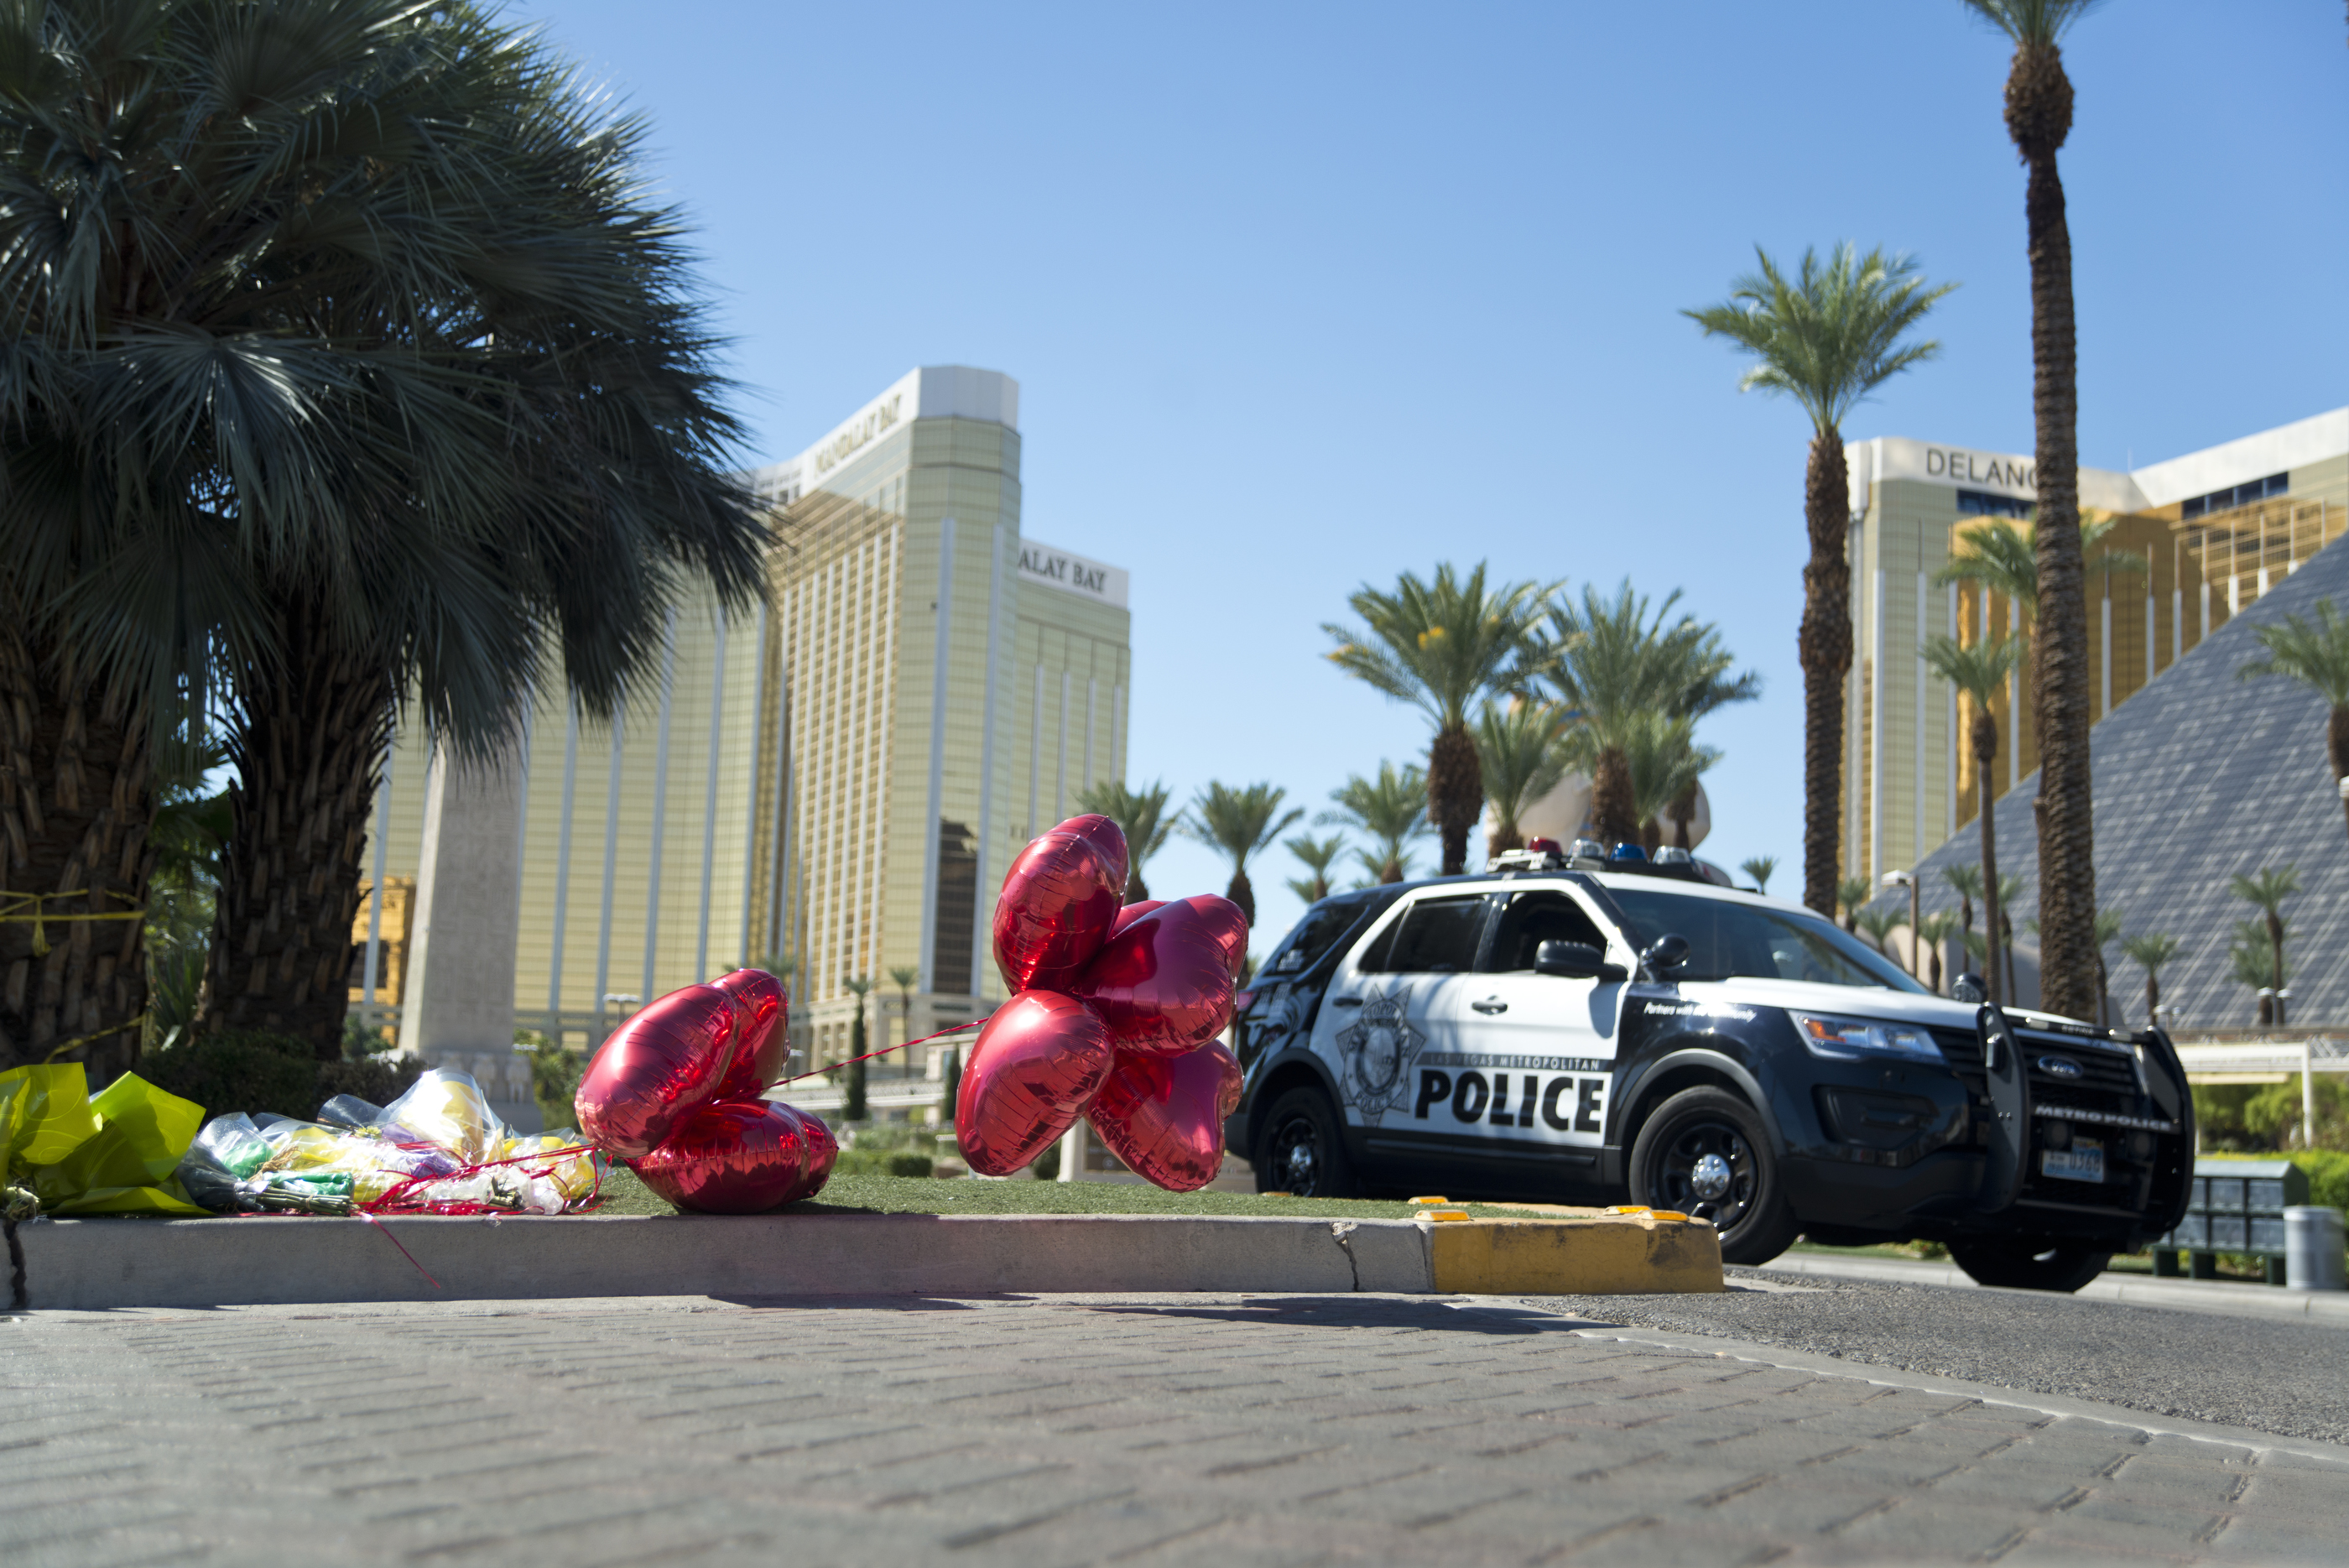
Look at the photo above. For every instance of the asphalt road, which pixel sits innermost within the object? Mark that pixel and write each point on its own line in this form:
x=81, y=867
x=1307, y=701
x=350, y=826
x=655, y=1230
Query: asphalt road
x=2288, y=1378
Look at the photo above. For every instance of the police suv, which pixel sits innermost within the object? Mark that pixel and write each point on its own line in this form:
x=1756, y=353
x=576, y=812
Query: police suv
x=1579, y=1028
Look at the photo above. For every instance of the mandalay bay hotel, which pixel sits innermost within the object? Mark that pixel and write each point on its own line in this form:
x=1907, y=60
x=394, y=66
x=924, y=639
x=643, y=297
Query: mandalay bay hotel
x=832, y=784
x=2193, y=539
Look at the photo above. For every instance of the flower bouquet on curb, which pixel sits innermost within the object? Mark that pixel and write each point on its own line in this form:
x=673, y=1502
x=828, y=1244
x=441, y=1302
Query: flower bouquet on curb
x=64, y=1151
x=1113, y=1017
x=437, y=1149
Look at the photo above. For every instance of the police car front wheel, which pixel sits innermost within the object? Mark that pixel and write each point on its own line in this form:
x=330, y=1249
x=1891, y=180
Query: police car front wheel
x=1303, y=1153
x=1705, y=1152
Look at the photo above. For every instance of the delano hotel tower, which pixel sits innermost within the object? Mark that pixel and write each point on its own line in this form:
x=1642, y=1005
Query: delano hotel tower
x=838, y=782
x=2204, y=534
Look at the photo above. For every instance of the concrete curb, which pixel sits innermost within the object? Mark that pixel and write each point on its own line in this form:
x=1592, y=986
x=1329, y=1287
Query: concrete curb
x=104, y=1263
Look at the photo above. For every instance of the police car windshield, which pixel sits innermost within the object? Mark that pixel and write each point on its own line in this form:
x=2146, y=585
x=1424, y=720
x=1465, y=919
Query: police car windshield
x=1728, y=938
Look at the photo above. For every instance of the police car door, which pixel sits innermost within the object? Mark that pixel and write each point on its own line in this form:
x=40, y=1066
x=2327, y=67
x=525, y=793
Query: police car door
x=1535, y=1053
x=1393, y=998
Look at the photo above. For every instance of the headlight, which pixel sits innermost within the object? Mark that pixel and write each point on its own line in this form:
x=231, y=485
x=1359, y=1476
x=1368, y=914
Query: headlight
x=1847, y=1039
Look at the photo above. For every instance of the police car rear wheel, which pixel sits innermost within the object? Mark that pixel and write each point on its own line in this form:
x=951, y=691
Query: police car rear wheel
x=1704, y=1152
x=2023, y=1263
x=1303, y=1153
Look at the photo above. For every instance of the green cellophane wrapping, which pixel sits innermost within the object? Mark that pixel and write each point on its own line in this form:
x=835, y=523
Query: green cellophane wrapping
x=114, y=1154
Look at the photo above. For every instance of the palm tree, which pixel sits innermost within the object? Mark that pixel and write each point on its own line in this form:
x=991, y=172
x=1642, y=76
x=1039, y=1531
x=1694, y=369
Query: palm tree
x=1825, y=337
x=1141, y=816
x=1441, y=647
x=1999, y=558
x=350, y=361
x=2266, y=892
x=1934, y=931
x=2038, y=118
x=1239, y=822
x=1759, y=869
x=2108, y=931
x=1665, y=764
x=1967, y=880
x=2151, y=952
x=1877, y=925
x=2257, y=960
x=2318, y=657
x=1852, y=895
x=1521, y=757
x=904, y=977
x=851, y=1099
x=2009, y=895
x=1316, y=853
x=1977, y=673
x=1391, y=809
x=1616, y=667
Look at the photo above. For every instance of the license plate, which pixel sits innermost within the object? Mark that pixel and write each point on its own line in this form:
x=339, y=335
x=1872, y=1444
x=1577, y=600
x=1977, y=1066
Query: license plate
x=2084, y=1161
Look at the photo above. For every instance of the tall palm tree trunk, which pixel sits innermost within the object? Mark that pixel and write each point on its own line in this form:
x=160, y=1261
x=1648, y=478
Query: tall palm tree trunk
x=77, y=803
x=1825, y=651
x=1242, y=894
x=1455, y=793
x=1985, y=739
x=2152, y=999
x=1614, y=811
x=308, y=746
x=2038, y=117
x=2275, y=970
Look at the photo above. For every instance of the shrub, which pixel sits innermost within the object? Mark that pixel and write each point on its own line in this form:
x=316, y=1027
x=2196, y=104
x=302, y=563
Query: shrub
x=909, y=1164
x=554, y=1074
x=376, y=1081
x=240, y=1070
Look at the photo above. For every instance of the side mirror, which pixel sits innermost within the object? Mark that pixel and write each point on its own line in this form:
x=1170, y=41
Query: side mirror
x=1666, y=953
x=1575, y=960
x=1969, y=987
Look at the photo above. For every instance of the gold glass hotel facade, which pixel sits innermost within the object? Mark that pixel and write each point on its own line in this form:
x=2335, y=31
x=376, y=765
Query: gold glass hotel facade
x=2194, y=539
x=836, y=782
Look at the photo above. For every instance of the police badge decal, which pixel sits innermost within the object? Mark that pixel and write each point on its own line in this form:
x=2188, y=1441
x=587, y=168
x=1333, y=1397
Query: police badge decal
x=1379, y=1047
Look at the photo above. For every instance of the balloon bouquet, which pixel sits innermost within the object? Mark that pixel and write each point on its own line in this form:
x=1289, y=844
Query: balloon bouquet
x=1113, y=1017
x=675, y=1095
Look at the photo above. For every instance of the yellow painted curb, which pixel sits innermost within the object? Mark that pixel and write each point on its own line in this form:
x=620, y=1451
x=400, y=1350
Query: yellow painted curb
x=1613, y=1254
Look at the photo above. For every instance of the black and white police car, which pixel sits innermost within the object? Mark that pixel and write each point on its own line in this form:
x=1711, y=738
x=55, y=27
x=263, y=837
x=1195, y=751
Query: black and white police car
x=1574, y=1028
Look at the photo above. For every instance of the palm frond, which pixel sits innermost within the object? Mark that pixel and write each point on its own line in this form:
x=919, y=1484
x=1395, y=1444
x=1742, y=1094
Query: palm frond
x=1832, y=333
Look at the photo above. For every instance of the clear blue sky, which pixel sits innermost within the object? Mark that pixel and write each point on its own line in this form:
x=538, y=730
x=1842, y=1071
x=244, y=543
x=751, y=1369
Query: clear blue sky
x=1303, y=296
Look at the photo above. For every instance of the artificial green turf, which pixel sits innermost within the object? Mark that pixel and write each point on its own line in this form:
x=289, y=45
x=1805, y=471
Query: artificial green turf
x=623, y=1194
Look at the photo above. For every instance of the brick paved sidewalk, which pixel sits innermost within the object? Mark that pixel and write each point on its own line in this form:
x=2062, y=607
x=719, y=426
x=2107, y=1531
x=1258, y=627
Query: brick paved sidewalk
x=1044, y=1431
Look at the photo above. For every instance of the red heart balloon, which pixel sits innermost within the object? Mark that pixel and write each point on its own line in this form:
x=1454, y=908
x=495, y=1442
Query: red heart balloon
x=736, y=1157
x=764, y=1044
x=823, y=1152
x=1164, y=983
x=1038, y=1062
x=1164, y=1116
x=658, y=1069
x=1134, y=911
x=1058, y=904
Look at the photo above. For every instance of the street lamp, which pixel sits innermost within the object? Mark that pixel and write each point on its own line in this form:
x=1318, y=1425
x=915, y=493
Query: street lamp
x=1903, y=879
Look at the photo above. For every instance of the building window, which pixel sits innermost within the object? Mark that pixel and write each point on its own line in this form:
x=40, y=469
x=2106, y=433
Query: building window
x=2237, y=495
x=958, y=908
x=1983, y=504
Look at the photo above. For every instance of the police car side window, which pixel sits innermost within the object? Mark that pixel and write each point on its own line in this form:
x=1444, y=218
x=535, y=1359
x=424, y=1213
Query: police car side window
x=1435, y=936
x=1533, y=919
